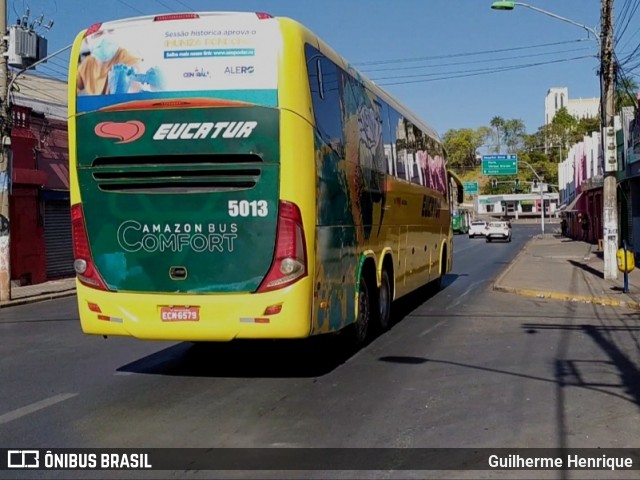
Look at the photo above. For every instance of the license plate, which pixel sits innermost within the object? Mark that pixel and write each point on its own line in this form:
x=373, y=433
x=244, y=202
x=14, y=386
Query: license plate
x=180, y=314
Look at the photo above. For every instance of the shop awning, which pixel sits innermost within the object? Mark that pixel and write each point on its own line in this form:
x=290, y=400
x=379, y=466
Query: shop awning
x=571, y=206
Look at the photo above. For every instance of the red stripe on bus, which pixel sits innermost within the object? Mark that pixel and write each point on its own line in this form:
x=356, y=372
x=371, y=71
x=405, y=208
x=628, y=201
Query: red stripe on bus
x=174, y=103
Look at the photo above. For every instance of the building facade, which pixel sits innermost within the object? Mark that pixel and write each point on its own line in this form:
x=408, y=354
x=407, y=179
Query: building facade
x=579, y=108
x=41, y=246
x=580, y=179
x=517, y=205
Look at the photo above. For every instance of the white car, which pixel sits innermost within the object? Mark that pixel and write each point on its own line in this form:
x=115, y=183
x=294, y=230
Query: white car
x=476, y=228
x=498, y=231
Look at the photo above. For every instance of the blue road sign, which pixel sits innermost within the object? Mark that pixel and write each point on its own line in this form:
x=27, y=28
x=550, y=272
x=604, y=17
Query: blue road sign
x=470, y=187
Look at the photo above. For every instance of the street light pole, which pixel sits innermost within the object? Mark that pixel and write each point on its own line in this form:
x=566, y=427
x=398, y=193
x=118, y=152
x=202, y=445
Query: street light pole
x=541, y=194
x=607, y=129
x=508, y=5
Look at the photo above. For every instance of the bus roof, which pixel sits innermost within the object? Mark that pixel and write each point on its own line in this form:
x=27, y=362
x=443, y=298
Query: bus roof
x=324, y=47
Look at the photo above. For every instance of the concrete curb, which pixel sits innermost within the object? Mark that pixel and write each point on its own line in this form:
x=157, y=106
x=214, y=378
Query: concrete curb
x=568, y=297
x=505, y=272
x=38, y=298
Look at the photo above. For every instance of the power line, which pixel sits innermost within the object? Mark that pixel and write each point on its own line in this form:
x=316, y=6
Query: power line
x=465, y=54
x=131, y=7
x=628, y=12
x=165, y=6
x=184, y=5
x=474, y=73
x=385, y=69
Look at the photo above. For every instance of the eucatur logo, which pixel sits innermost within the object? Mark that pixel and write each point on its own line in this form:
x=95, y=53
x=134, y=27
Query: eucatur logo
x=126, y=132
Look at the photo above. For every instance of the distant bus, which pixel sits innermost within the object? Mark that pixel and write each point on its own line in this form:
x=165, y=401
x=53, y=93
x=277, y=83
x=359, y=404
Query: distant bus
x=232, y=177
x=460, y=220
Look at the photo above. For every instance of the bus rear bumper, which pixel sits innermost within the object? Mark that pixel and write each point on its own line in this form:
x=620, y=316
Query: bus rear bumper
x=220, y=317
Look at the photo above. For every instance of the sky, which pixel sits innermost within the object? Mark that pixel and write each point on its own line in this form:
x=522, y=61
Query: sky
x=455, y=63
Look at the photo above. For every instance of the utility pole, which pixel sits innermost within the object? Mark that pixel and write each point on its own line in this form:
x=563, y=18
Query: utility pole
x=610, y=199
x=542, y=208
x=5, y=172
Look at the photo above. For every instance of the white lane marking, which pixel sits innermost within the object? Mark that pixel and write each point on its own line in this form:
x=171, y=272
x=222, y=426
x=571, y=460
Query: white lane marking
x=34, y=407
x=431, y=328
x=465, y=293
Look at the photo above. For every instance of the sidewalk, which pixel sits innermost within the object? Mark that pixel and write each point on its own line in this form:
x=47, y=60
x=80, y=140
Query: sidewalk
x=551, y=267
x=563, y=269
x=42, y=291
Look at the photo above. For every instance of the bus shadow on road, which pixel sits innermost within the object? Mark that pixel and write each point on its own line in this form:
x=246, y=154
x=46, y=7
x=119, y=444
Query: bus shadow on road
x=312, y=357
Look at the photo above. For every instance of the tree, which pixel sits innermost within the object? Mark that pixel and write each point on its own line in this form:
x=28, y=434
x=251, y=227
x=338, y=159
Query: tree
x=498, y=124
x=562, y=131
x=513, y=132
x=534, y=142
x=588, y=125
x=461, y=146
x=626, y=93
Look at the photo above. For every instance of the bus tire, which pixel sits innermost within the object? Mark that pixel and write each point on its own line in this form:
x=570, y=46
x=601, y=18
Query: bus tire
x=384, y=302
x=437, y=284
x=360, y=328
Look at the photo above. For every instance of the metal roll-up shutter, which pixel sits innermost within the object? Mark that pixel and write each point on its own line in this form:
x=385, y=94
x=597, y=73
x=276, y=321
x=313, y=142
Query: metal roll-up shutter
x=57, y=238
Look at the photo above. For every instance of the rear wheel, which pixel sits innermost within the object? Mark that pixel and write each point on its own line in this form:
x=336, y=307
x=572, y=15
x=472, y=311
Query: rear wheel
x=360, y=328
x=384, y=302
x=437, y=284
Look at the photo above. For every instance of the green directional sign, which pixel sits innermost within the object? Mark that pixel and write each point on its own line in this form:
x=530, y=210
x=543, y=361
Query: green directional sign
x=499, y=164
x=470, y=188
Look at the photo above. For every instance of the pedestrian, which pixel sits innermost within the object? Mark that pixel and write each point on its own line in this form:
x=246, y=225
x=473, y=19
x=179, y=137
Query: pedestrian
x=584, y=222
x=563, y=226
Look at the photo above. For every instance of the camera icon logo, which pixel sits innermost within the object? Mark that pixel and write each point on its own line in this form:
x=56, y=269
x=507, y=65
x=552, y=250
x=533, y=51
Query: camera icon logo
x=23, y=459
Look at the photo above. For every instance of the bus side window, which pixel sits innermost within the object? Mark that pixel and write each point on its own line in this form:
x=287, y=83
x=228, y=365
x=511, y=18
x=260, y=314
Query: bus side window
x=417, y=141
x=398, y=143
x=416, y=173
x=389, y=144
x=401, y=164
x=325, y=97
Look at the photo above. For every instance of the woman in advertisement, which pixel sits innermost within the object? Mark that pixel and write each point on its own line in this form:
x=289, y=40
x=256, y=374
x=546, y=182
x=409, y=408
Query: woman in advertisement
x=111, y=69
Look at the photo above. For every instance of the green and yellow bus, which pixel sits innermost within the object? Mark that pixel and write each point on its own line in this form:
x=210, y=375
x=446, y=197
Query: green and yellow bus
x=232, y=177
x=460, y=220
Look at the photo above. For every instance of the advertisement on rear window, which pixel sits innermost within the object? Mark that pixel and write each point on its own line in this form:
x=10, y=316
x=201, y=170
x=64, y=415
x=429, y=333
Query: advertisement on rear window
x=233, y=58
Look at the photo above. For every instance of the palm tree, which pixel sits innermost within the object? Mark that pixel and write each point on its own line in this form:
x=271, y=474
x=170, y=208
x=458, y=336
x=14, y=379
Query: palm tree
x=497, y=123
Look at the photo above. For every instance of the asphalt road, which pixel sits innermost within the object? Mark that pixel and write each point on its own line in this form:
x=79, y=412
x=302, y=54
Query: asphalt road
x=466, y=367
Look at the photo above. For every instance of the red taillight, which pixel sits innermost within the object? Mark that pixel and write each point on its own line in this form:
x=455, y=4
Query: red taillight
x=263, y=16
x=175, y=16
x=290, y=261
x=83, y=261
x=92, y=29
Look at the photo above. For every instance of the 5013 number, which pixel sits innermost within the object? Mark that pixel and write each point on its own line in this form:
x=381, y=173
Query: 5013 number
x=245, y=208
